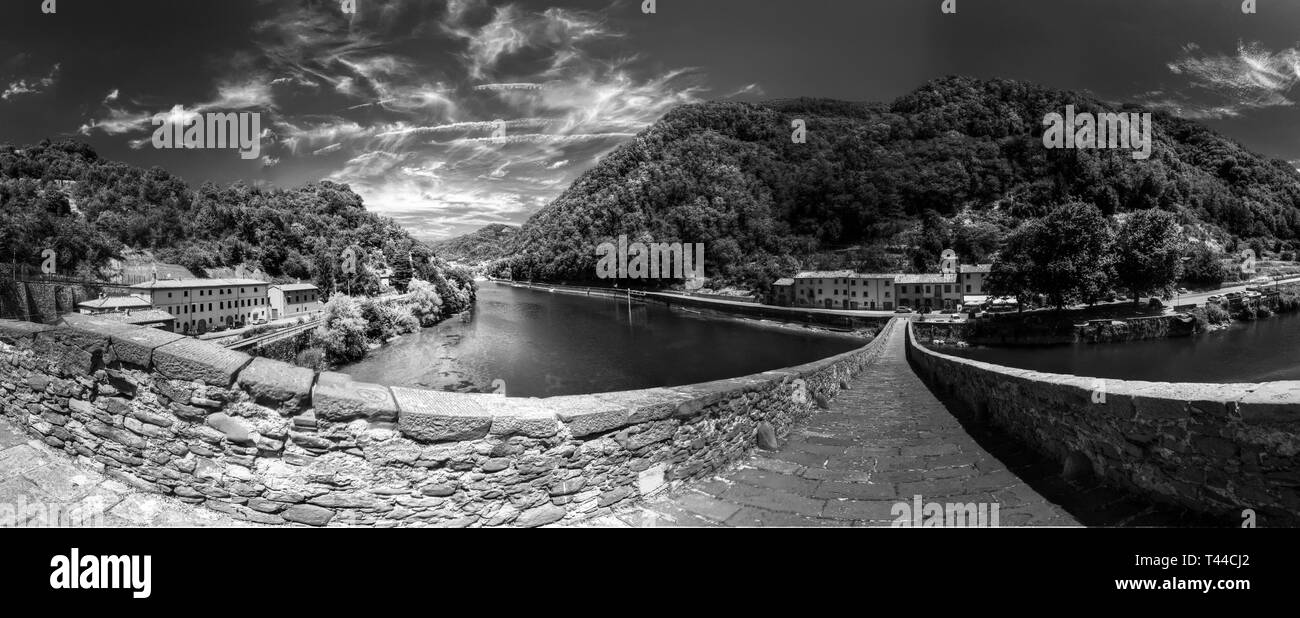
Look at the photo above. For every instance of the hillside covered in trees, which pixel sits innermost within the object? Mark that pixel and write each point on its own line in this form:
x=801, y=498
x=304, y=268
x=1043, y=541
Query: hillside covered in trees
x=90, y=211
x=490, y=243
x=958, y=163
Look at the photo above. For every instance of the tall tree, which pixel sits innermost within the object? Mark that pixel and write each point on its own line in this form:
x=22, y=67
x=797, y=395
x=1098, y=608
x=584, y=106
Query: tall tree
x=1149, y=253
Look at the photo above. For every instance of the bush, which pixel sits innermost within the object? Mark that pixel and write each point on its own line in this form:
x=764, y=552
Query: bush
x=344, y=332
x=425, y=303
x=312, y=358
x=1215, y=314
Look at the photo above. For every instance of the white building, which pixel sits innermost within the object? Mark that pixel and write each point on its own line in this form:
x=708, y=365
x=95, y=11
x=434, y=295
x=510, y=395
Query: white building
x=844, y=289
x=288, y=300
x=200, y=305
x=973, y=279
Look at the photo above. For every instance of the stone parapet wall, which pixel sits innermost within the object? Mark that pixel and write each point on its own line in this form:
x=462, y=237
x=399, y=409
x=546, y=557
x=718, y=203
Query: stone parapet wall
x=275, y=444
x=1213, y=448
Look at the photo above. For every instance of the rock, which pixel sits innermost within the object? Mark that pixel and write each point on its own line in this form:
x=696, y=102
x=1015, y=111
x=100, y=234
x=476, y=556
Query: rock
x=440, y=490
x=278, y=385
x=338, y=398
x=308, y=514
x=232, y=428
x=496, y=465
x=767, y=438
x=191, y=360
x=428, y=416
x=540, y=516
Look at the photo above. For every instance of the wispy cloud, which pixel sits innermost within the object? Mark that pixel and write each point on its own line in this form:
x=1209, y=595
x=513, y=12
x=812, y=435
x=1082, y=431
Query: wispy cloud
x=408, y=95
x=1220, y=85
x=28, y=86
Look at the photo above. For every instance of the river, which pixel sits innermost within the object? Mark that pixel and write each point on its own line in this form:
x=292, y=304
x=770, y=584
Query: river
x=542, y=344
x=1263, y=351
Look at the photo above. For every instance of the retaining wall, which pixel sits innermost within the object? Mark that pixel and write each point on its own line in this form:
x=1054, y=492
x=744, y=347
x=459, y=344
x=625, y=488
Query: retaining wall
x=1214, y=448
x=275, y=444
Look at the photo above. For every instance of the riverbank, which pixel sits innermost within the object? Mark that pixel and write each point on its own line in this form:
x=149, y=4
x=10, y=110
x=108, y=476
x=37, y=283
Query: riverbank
x=857, y=323
x=1046, y=328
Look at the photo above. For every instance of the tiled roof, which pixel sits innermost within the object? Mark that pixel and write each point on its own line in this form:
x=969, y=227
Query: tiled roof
x=977, y=268
x=842, y=274
x=905, y=279
x=148, y=316
x=116, y=302
x=784, y=282
x=296, y=287
x=172, y=284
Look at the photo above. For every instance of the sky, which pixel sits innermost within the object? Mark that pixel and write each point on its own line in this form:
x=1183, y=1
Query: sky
x=400, y=98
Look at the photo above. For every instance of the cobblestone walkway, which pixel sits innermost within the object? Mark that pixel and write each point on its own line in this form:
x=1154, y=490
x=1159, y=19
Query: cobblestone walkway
x=884, y=441
x=42, y=488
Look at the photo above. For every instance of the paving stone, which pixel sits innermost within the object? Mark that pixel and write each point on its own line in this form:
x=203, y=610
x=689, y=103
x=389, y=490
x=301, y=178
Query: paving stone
x=881, y=442
x=838, y=490
x=19, y=459
x=707, y=506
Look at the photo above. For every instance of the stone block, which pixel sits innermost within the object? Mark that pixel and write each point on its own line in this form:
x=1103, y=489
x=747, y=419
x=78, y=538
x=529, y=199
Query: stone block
x=431, y=416
x=16, y=332
x=519, y=417
x=587, y=415
x=308, y=514
x=338, y=398
x=1271, y=403
x=278, y=385
x=72, y=349
x=653, y=404
x=191, y=360
x=131, y=344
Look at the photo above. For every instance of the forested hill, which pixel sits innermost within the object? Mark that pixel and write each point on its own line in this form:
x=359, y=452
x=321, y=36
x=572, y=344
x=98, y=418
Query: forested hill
x=487, y=244
x=964, y=156
x=63, y=196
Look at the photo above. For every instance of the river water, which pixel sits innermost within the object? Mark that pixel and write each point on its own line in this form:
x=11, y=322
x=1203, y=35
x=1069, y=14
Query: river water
x=1264, y=351
x=541, y=344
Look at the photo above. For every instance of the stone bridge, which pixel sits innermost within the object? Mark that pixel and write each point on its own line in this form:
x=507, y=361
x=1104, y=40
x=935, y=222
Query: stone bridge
x=139, y=427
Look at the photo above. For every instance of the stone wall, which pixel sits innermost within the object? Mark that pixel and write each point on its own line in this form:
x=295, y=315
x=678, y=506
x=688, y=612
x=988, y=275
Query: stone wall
x=1214, y=448
x=271, y=443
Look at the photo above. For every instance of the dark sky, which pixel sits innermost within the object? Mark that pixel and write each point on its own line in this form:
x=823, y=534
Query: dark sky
x=398, y=100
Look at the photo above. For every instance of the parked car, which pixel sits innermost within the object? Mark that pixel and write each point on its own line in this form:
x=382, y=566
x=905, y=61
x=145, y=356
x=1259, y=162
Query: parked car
x=1183, y=291
x=1214, y=299
x=904, y=310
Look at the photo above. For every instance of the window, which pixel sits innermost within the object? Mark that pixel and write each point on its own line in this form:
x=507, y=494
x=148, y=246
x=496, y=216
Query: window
x=947, y=289
x=968, y=289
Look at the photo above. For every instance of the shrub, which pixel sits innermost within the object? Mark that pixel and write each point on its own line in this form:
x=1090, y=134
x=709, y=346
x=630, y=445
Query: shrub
x=344, y=332
x=312, y=358
x=1216, y=314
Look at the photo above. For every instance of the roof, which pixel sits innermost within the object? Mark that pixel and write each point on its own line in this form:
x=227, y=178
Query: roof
x=784, y=282
x=296, y=287
x=148, y=316
x=842, y=274
x=905, y=279
x=173, y=284
x=117, y=302
x=977, y=268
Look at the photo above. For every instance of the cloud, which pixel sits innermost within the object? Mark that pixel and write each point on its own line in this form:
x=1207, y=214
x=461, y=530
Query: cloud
x=405, y=97
x=25, y=86
x=1230, y=84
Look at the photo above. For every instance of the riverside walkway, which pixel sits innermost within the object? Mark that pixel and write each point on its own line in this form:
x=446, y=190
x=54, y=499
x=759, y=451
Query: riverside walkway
x=883, y=442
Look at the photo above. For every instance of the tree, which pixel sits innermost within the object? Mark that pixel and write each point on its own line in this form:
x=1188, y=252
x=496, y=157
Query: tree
x=344, y=332
x=1065, y=256
x=1203, y=266
x=1149, y=253
x=425, y=303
